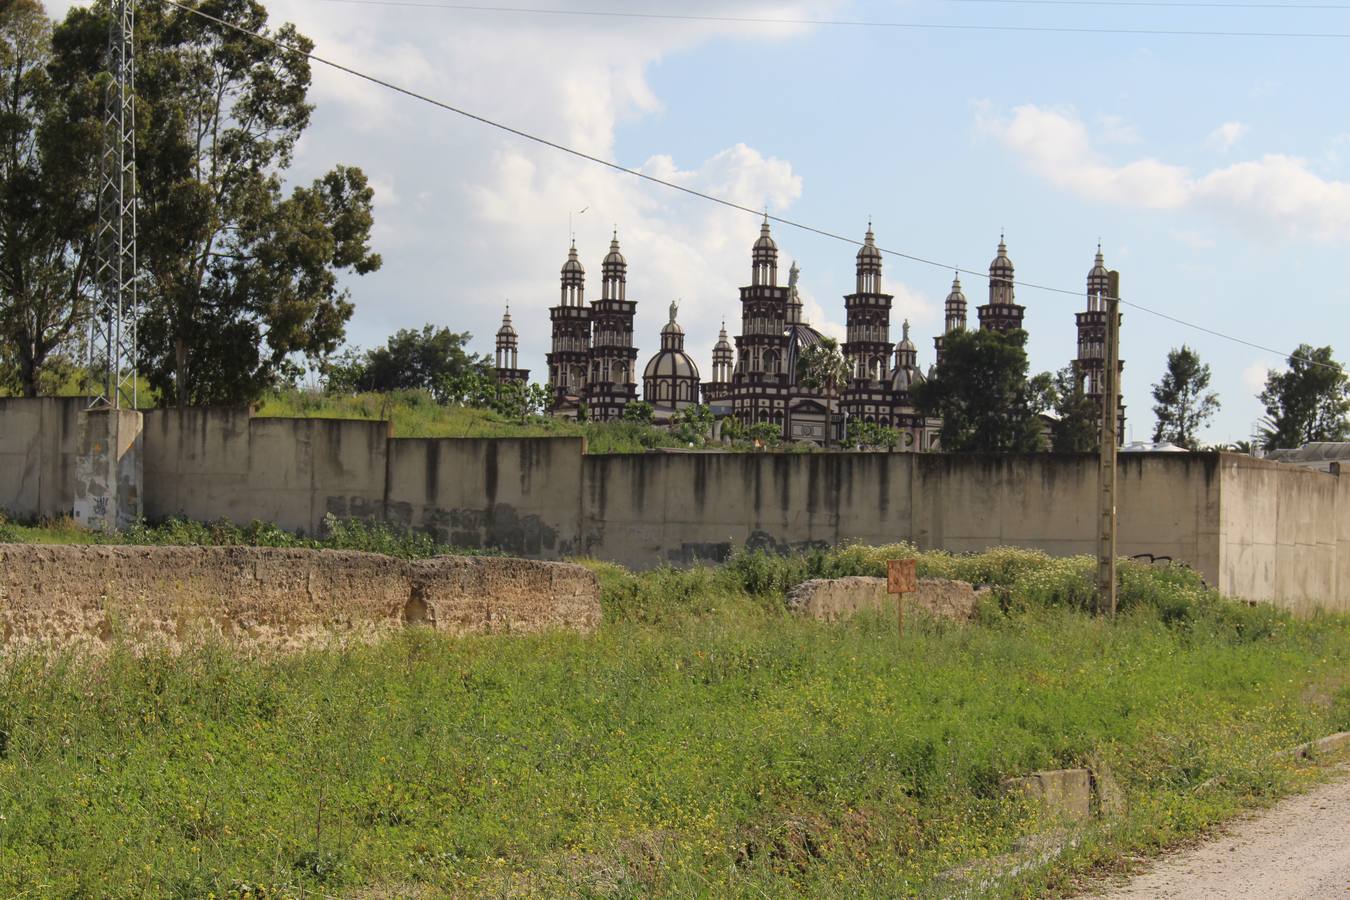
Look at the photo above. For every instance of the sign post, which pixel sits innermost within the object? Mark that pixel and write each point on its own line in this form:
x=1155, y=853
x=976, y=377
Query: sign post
x=902, y=578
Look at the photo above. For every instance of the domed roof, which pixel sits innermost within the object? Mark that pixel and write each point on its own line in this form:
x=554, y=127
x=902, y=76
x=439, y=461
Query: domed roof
x=722, y=342
x=1001, y=262
x=615, y=258
x=868, y=252
x=765, y=241
x=507, y=329
x=1099, y=266
x=573, y=264
x=904, y=378
x=671, y=364
x=957, y=295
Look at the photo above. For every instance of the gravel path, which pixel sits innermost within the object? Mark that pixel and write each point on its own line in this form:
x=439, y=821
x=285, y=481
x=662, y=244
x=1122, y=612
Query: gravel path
x=1298, y=849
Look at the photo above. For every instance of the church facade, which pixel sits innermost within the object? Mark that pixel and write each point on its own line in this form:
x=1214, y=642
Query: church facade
x=592, y=363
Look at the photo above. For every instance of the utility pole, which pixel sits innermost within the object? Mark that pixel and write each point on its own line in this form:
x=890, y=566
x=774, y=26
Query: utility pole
x=112, y=329
x=1106, y=543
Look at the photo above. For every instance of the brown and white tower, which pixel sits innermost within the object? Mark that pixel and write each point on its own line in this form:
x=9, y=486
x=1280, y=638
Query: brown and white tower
x=868, y=345
x=1090, y=364
x=723, y=360
x=759, y=386
x=613, y=359
x=1001, y=313
x=508, y=353
x=955, y=309
x=569, y=359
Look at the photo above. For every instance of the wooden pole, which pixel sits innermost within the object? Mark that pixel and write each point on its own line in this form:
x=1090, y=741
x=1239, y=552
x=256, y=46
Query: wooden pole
x=1106, y=545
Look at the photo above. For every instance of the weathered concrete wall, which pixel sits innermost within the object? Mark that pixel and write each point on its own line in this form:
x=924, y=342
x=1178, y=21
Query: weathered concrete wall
x=275, y=598
x=517, y=495
x=37, y=455
x=1283, y=533
x=212, y=464
x=679, y=508
x=830, y=599
x=1255, y=529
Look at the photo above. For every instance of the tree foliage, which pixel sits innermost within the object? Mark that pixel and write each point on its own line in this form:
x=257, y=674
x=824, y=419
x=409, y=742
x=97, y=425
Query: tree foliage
x=822, y=367
x=870, y=436
x=981, y=392
x=240, y=277
x=48, y=166
x=1183, y=402
x=1078, y=418
x=1310, y=401
x=639, y=411
x=693, y=425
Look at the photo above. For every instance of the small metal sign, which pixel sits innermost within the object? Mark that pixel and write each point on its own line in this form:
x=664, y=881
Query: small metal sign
x=902, y=576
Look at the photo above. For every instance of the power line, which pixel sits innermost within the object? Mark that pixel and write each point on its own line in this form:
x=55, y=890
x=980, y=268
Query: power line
x=843, y=23
x=721, y=201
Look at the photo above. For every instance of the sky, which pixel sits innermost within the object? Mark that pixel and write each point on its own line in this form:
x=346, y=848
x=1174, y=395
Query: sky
x=1215, y=170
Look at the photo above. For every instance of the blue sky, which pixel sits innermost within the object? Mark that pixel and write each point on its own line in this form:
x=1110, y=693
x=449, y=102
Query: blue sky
x=1213, y=169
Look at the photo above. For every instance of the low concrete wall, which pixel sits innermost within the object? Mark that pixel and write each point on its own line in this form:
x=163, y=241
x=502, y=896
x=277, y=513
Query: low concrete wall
x=275, y=598
x=830, y=599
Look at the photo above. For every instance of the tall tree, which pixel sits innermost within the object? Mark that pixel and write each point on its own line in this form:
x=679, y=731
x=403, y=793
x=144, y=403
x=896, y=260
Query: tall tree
x=822, y=367
x=1308, y=402
x=432, y=359
x=1078, y=418
x=982, y=394
x=1183, y=402
x=239, y=276
x=47, y=167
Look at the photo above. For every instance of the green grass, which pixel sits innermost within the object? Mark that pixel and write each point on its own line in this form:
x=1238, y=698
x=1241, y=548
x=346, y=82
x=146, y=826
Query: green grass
x=701, y=743
x=416, y=414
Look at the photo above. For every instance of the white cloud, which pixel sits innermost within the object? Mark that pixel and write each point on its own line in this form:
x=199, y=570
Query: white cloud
x=1254, y=376
x=1226, y=135
x=1274, y=195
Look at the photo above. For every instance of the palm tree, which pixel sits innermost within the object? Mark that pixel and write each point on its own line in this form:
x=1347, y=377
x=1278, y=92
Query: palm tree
x=822, y=367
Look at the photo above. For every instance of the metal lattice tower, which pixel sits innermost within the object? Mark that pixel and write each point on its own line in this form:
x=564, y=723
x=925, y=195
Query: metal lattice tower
x=112, y=330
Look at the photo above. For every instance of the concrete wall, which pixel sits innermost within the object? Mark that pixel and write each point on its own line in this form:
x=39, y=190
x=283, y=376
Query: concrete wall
x=1255, y=529
x=1284, y=532
x=517, y=495
x=274, y=598
x=37, y=455
x=212, y=464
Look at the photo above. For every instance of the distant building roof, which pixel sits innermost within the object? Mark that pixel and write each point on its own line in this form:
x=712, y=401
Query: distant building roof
x=1152, y=447
x=1316, y=455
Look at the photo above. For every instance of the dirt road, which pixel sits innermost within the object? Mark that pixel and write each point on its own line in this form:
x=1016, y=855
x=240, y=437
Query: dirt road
x=1295, y=850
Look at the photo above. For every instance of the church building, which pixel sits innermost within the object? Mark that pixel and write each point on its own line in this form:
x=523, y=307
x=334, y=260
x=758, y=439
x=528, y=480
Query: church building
x=755, y=375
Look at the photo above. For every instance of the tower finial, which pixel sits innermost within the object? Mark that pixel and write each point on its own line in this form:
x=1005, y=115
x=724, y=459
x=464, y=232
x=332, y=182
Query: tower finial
x=905, y=329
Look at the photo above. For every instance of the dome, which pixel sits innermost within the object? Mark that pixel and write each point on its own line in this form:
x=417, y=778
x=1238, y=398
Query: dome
x=722, y=342
x=956, y=296
x=904, y=378
x=1099, y=266
x=765, y=241
x=868, y=252
x=615, y=258
x=671, y=364
x=573, y=265
x=507, y=329
x=1001, y=262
